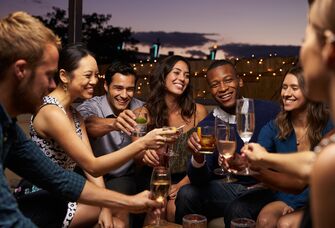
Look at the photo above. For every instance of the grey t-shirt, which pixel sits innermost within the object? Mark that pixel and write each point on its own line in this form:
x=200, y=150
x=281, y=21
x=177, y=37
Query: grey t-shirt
x=98, y=106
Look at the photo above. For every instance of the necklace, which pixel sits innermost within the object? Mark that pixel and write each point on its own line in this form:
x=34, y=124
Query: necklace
x=301, y=137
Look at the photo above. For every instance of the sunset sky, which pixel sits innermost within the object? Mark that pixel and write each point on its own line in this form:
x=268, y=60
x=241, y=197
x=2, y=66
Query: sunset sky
x=244, y=25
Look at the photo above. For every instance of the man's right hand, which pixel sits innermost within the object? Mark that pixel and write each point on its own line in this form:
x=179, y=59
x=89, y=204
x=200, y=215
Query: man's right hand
x=193, y=143
x=125, y=122
x=141, y=202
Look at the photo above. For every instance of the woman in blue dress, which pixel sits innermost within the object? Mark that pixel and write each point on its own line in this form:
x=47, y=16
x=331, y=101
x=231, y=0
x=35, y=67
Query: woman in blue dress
x=298, y=127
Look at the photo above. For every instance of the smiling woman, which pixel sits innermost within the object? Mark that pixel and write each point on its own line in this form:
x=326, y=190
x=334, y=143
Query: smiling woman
x=298, y=127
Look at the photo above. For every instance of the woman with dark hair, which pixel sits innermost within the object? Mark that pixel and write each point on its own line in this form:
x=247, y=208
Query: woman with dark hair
x=59, y=130
x=298, y=127
x=171, y=103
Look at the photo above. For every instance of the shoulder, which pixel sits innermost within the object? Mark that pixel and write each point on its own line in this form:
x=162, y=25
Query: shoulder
x=201, y=110
x=270, y=127
x=266, y=107
x=94, y=101
x=135, y=103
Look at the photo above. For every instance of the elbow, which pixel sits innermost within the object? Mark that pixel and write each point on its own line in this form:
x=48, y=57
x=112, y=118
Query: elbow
x=93, y=170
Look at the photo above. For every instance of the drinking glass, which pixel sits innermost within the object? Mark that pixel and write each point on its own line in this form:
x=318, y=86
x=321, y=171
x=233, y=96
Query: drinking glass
x=245, y=120
x=173, y=147
x=159, y=187
x=220, y=121
x=206, y=134
x=242, y=223
x=226, y=145
x=142, y=122
x=194, y=221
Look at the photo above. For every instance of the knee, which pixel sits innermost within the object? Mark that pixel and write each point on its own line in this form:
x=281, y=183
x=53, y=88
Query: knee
x=284, y=223
x=265, y=221
x=186, y=194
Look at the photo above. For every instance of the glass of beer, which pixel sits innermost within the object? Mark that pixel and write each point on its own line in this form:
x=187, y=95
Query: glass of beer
x=242, y=222
x=206, y=134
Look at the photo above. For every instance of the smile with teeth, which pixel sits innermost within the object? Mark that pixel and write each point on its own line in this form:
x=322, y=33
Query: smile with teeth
x=289, y=100
x=122, y=102
x=225, y=96
x=179, y=85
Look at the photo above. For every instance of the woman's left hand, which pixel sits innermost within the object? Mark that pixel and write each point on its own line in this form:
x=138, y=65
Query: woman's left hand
x=173, y=191
x=106, y=218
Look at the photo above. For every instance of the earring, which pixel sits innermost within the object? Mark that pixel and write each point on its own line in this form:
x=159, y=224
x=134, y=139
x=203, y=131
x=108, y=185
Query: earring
x=65, y=87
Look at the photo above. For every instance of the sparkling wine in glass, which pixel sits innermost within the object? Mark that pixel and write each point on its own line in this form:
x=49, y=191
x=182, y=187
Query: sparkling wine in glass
x=245, y=120
x=220, y=121
x=226, y=145
x=159, y=185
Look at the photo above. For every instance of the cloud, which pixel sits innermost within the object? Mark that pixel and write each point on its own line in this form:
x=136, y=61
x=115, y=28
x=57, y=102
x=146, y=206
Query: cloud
x=246, y=50
x=197, y=53
x=174, y=39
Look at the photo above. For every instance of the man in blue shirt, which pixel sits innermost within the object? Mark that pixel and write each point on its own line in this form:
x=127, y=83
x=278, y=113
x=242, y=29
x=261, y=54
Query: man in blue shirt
x=208, y=196
x=28, y=62
x=109, y=122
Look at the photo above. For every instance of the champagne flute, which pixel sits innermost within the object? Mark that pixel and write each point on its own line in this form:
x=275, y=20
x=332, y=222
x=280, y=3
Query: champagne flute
x=226, y=145
x=245, y=120
x=159, y=186
x=220, y=121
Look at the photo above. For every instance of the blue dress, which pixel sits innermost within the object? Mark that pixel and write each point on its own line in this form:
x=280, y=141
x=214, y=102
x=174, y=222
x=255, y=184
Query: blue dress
x=268, y=139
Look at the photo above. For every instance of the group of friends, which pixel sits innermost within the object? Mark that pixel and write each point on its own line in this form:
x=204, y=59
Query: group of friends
x=82, y=166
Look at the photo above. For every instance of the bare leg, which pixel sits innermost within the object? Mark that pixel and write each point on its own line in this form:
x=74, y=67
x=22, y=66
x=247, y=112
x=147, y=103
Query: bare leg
x=291, y=220
x=170, y=210
x=85, y=216
x=270, y=214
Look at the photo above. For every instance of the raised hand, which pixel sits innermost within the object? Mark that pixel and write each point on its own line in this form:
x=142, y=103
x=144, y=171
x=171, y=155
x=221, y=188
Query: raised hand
x=193, y=143
x=156, y=138
x=151, y=158
x=125, y=122
x=255, y=154
x=141, y=202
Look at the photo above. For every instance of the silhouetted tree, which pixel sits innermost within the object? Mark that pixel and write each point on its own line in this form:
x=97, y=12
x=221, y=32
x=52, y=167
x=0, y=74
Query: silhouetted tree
x=103, y=39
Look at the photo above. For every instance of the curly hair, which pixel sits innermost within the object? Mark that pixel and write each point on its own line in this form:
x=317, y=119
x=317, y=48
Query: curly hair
x=156, y=104
x=317, y=114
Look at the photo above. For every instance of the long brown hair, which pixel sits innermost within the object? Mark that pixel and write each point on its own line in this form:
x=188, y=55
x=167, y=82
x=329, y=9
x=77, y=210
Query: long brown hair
x=317, y=114
x=156, y=104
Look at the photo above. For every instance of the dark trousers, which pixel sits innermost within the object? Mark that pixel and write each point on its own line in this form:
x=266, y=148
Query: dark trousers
x=217, y=199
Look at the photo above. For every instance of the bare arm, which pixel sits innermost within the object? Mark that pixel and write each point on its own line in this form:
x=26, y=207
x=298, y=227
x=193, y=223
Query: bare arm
x=102, y=197
x=97, y=127
x=281, y=181
x=297, y=164
x=47, y=123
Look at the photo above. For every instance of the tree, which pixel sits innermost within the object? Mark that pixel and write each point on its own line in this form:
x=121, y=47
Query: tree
x=103, y=39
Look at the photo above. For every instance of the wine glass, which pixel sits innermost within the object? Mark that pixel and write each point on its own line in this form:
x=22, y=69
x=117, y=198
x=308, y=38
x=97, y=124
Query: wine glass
x=245, y=120
x=220, y=121
x=226, y=145
x=159, y=186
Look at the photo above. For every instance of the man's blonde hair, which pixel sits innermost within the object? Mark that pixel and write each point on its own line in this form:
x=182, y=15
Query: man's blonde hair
x=23, y=36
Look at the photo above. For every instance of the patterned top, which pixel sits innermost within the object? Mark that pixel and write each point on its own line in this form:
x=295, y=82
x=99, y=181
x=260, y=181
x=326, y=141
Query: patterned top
x=49, y=146
x=178, y=162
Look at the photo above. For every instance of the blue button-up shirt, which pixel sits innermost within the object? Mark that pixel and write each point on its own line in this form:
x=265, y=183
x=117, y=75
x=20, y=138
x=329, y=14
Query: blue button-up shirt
x=22, y=156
